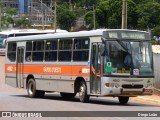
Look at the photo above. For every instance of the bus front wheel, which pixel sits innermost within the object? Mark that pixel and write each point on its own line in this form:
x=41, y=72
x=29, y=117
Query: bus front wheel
x=31, y=89
x=83, y=92
x=123, y=99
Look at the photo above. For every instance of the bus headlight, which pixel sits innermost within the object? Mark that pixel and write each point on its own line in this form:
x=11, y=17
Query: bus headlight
x=111, y=85
x=148, y=86
x=114, y=85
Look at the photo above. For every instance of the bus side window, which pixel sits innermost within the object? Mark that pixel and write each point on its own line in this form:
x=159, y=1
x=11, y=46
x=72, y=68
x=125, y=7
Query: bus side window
x=38, y=50
x=12, y=51
x=28, y=56
x=81, y=49
x=65, y=50
x=51, y=50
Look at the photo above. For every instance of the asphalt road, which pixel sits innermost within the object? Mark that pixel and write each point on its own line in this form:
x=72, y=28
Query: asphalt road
x=13, y=99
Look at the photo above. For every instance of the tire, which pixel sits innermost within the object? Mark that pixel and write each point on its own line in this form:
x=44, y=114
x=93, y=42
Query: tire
x=83, y=93
x=31, y=89
x=123, y=100
x=67, y=95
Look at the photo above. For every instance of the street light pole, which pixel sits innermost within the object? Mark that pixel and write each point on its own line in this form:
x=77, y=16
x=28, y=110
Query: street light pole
x=124, y=14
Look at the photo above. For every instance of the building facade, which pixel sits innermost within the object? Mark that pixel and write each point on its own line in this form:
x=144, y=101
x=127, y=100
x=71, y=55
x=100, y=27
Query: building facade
x=20, y=5
x=37, y=11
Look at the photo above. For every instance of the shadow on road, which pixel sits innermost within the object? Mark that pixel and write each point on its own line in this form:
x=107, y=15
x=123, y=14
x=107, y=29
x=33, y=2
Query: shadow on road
x=93, y=100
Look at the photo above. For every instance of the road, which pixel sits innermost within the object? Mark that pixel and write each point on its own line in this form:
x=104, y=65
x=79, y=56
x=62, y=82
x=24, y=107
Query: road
x=13, y=99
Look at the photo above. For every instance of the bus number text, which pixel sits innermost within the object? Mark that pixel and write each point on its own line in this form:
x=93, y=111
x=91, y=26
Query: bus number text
x=52, y=70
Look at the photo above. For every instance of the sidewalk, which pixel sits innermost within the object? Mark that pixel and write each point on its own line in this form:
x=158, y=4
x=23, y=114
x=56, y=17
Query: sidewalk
x=155, y=98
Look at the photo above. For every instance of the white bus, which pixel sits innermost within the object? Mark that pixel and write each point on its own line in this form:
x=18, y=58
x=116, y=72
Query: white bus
x=4, y=35
x=90, y=63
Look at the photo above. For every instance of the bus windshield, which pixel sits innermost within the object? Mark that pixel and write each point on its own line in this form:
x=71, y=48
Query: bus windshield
x=128, y=58
x=2, y=38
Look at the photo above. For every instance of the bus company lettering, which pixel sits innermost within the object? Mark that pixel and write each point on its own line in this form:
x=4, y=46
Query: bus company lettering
x=52, y=69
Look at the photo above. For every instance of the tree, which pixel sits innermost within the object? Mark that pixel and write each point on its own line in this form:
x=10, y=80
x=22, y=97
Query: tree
x=23, y=22
x=108, y=14
x=148, y=14
x=65, y=17
x=8, y=16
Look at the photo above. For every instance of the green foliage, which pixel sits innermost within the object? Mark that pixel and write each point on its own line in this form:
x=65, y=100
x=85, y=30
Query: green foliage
x=156, y=31
x=10, y=18
x=22, y=22
x=148, y=14
x=141, y=14
x=155, y=42
x=65, y=17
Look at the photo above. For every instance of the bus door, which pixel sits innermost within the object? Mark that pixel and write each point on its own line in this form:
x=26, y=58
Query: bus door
x=19, y=67
x=95, y=81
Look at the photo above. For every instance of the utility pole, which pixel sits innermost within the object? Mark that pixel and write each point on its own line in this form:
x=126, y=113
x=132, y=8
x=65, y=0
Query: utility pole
x=55, y=15
x=124, y=14
x=0, y=15
x=94, y=18
x=70, y=5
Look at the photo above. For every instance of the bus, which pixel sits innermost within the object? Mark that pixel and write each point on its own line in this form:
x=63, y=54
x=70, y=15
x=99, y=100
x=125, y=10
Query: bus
x=21, y=32
x=90, y=63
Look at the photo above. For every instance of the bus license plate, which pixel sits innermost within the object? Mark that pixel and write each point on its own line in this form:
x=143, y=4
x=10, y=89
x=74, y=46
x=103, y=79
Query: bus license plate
x=148, y=91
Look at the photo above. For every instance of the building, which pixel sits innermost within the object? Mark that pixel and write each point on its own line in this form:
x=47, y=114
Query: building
x=41, y=14
x=20, y=5
x=37, y=11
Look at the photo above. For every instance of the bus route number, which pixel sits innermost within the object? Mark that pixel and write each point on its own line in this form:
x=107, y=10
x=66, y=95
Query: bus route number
x=52, y=69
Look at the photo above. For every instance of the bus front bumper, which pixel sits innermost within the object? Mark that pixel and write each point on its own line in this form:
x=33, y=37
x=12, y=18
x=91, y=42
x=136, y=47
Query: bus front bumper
x=127, y=92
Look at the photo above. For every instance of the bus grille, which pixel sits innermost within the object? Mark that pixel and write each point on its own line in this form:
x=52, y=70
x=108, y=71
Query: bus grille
x=132, y=86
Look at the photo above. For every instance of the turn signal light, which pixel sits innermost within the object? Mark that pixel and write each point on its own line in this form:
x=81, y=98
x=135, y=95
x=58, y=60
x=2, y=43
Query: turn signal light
x=107, y=84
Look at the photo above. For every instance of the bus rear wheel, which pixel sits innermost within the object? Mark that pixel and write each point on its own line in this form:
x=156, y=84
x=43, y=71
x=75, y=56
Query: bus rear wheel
x=31, y=89
x=67, y=95
x=83, y=92
x=123, y=99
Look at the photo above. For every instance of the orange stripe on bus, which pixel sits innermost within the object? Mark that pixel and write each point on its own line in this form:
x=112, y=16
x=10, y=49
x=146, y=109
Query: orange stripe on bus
x=48, y=69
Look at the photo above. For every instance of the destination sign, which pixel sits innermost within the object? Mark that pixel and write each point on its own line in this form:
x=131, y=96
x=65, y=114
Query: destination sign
x=133, y=35
x=113, y=35
x=127, y=35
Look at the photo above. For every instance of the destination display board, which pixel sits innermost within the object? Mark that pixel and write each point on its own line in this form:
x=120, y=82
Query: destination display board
x=126, y=34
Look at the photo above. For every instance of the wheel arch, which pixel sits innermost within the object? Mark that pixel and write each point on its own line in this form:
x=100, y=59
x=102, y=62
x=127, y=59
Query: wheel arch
x=77, y=83
x=27, y=79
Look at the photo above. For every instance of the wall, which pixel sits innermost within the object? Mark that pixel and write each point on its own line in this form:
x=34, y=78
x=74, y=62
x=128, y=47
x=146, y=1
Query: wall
x=156, y=59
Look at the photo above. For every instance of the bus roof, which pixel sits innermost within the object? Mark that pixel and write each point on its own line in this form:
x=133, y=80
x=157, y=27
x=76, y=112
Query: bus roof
x=22, y=31
x=98, y=32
